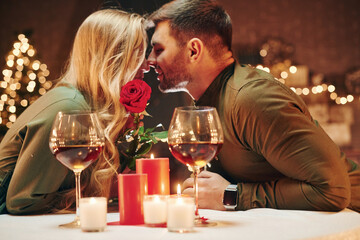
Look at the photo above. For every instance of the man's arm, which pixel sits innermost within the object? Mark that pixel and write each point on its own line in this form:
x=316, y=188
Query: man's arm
x=286, y=136
x=315, y=171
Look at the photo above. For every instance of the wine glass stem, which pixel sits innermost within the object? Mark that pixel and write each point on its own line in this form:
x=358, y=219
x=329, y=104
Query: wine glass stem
x=196, y=190
x=78, y=194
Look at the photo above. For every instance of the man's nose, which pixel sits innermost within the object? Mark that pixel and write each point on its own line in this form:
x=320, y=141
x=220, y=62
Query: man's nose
x=151, y=59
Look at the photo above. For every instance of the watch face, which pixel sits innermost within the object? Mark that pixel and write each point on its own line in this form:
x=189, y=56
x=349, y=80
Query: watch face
x=230, y=198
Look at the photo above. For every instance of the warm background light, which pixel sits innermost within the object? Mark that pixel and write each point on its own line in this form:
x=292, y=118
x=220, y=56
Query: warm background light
x=24, y=80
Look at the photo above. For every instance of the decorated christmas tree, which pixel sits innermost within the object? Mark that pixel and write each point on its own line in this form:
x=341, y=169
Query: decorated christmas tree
x=24, y=80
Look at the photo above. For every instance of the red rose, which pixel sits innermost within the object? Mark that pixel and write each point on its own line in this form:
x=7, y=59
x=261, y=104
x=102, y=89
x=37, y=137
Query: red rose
x=134, y=95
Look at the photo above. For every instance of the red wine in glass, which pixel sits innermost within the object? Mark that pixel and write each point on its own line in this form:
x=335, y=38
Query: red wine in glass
x=77, y=157
x=76, y=140
x=195, y=154
x=195, y=137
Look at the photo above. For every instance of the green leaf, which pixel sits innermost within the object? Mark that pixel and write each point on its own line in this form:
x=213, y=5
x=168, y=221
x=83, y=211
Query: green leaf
x=134, y=143
x=141, y=130
x=154, y=140
x=144, y=139
x=149, y=130
x=160, y=135
x=132, y=147
x=145, y=148
x=125, y=161
x=132, y=164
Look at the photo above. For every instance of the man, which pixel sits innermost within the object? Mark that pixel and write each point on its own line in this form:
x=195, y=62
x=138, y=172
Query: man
x=274, y=154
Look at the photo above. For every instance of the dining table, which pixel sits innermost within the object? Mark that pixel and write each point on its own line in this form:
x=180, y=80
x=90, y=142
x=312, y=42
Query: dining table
x=259, y=223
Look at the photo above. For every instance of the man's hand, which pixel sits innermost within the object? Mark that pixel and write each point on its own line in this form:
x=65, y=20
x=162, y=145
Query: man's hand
x=211, y=190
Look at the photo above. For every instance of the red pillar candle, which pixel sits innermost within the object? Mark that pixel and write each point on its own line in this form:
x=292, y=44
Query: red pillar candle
x=132, y=189
x=158, y=171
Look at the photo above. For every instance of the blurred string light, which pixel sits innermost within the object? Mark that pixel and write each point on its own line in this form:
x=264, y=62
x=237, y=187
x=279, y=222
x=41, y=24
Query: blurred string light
x=23, y=81
x=285, y=69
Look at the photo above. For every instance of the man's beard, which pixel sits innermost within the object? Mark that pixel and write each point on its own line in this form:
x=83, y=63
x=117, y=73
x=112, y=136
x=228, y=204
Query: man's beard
x=177, y=76
x=177, y=84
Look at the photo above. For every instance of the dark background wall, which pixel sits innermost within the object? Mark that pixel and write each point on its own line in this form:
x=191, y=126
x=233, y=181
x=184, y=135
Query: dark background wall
x=325, y=33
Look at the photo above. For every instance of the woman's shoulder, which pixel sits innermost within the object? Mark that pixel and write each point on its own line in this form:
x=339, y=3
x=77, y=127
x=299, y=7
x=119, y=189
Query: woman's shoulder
x=61, y=96
x=44, y=109
x=62, y=92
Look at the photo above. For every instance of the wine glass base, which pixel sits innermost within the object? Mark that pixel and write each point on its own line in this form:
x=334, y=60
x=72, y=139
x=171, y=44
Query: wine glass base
x=73, y=224
x=203, y=222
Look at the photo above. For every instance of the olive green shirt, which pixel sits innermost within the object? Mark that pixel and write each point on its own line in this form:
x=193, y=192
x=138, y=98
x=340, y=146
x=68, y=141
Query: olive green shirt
x=273, y=149
x=30, y=176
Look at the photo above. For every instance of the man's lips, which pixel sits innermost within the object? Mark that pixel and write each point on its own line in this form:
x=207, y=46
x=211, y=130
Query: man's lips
x=158, y=70
x=160, y=76
x=159, y=73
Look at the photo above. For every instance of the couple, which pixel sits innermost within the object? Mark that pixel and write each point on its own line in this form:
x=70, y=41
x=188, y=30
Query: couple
x=274, y=155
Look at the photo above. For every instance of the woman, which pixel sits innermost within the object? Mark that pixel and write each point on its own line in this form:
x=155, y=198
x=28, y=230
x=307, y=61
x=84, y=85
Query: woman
x=108, y=52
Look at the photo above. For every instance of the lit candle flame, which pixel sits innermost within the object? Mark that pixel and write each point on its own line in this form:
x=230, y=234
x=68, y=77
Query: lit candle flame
x=178, y=190
x=162, y=188
x=152, y=156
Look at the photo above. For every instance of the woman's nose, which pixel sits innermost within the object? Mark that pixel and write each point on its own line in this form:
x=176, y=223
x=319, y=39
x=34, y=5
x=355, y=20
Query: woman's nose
x=145, y=66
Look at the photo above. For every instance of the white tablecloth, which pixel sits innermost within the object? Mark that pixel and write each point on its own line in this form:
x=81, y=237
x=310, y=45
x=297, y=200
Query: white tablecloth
x=252, y=224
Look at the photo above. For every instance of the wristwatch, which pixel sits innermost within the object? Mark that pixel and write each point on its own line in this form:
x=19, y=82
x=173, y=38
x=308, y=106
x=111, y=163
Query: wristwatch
x=231, y=197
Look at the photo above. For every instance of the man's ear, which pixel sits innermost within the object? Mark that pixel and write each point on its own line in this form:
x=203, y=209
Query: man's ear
x=195, y=49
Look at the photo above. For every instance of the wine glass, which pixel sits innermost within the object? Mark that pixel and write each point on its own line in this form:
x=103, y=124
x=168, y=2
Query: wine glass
x=76, y=140
x=195, y=137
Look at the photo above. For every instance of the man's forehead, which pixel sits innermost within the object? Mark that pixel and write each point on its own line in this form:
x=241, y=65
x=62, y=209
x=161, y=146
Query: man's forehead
x=161, y=34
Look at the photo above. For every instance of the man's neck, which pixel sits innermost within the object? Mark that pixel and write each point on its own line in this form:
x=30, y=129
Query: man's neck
x=205, y=74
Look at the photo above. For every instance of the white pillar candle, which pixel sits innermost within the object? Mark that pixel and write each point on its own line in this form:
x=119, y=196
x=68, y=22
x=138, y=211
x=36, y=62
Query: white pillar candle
x=181, y=213
x=155, y=210
x=93, y=212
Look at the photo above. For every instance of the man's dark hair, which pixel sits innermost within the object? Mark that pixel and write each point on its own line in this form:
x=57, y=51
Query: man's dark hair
x=204, y=19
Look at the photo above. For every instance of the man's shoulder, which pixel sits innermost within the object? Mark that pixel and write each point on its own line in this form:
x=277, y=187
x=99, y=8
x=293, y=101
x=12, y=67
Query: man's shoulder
x=244, y=74
x=250, y=87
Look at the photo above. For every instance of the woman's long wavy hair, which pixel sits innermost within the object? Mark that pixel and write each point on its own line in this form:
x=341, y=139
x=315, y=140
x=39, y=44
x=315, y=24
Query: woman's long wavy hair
x=108, y=50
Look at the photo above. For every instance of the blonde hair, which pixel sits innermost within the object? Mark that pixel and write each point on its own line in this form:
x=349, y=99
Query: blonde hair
x=108, y=50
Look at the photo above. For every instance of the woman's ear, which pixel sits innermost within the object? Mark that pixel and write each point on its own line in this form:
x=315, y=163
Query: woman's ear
x=195, y=49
